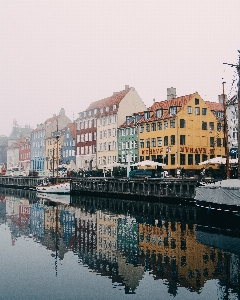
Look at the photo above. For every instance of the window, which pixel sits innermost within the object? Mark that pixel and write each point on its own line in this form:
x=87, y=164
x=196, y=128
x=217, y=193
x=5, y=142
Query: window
x=148, y=143
x=146, y=115
x=204, y=111
x=172, y=139
x=211, y=126
x=105, y=133
x=165, y=124
x=204, y=125
x=172, y=159
x=141, y=143
x=196, y=101
x=107, y=109
x=197, y=110
x=165, y=161
x=100, y=134
x=159, y=139
x=189, y=109
x=153, y=142
x=166, y=141
x=219, y=126
x=211, y=141
x=141, y=128
x=147, y=127
x=182, y=140
x=159, y=125
x=109, y=132
x=219, y=142
x=197, y=159
x=204, y=157
x=190, y=159
x=114, y=106
x=182, y=123
x=172, y=123
x=182, y=159
x=173, y=110
x=159, y=113
x=153, y=126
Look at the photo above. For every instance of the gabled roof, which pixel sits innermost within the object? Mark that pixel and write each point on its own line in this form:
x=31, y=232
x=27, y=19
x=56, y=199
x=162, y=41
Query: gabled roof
x=166, y=104
x=214, y=106
x=116, y=98
x=133, y=122
x=72, y=128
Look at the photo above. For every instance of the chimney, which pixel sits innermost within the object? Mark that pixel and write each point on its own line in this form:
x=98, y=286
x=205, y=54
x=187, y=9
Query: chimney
x=153, y=100
x=126, y=87
x=62, y=112
x=220, y=99
x=171, y=93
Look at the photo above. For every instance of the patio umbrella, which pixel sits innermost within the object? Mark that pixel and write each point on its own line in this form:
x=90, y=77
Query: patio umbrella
x=218, y=160
x=114, y=165
x=148, y=163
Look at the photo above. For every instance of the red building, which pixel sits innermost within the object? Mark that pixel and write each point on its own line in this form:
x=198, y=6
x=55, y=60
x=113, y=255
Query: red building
x=24, y=152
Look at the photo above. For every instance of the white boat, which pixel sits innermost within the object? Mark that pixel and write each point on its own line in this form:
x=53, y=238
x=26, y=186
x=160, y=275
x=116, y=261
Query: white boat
x=225, y=192
x=57, y=188
x=64, y=199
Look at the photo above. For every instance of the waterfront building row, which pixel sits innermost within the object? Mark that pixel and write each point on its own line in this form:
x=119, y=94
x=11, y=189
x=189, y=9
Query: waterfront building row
x=180, y=132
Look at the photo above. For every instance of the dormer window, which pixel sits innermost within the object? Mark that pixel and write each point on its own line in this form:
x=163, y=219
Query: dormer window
x=84, y=113
x=90, y=112
x=95, y=111
x=173, y=110
x=159, y=113
x=114, y=106
x=146, y=115
x=107, y=109
x=101, y=110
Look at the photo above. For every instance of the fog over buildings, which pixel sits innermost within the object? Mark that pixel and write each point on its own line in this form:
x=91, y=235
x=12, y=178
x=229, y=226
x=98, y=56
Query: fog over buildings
x=58, y=54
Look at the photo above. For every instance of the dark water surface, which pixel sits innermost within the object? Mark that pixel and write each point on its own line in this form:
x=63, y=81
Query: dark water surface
x=98, y=248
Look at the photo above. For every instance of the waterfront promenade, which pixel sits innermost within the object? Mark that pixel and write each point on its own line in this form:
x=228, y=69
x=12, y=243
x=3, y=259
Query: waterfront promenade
x=144, y=188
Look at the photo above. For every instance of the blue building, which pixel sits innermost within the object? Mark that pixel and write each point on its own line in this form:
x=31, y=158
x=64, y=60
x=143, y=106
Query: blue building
x=68, y=151
x=38, y=148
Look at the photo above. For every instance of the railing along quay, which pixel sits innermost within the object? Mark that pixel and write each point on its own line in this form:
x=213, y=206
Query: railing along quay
x=20, y=182
x=149, y=188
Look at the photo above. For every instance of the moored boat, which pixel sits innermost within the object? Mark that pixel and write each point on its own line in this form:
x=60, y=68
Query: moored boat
x=57, y=188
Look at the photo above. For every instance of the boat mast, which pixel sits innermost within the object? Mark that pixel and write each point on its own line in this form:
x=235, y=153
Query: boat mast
x=238, y=99
x=225, y=126
x=57, y=138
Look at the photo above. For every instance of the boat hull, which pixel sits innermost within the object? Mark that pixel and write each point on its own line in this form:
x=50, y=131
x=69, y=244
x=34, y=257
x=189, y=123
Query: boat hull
x=60, y=188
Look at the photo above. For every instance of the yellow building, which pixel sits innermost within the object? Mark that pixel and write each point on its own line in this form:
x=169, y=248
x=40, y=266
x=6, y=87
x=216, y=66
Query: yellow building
x=51, y=152
x=182, y=132
x=176, y=250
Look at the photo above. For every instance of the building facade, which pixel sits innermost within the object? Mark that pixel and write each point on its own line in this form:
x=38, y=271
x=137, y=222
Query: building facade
x=181, y=133
x=25, y=153
x=128, y=139
x=68, y=150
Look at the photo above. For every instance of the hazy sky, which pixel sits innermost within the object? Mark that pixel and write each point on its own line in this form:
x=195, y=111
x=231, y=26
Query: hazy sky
x=66, y=53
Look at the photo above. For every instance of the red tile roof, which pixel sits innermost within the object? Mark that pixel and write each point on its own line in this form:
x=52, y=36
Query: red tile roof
x=214, y=106
x=116, y=98
x=166, y=104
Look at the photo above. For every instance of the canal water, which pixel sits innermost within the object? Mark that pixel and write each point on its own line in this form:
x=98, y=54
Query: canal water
x=95, y=248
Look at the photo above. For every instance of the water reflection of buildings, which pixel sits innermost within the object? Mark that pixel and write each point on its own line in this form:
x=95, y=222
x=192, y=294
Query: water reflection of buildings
x=123, y=246
x=171, y=251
